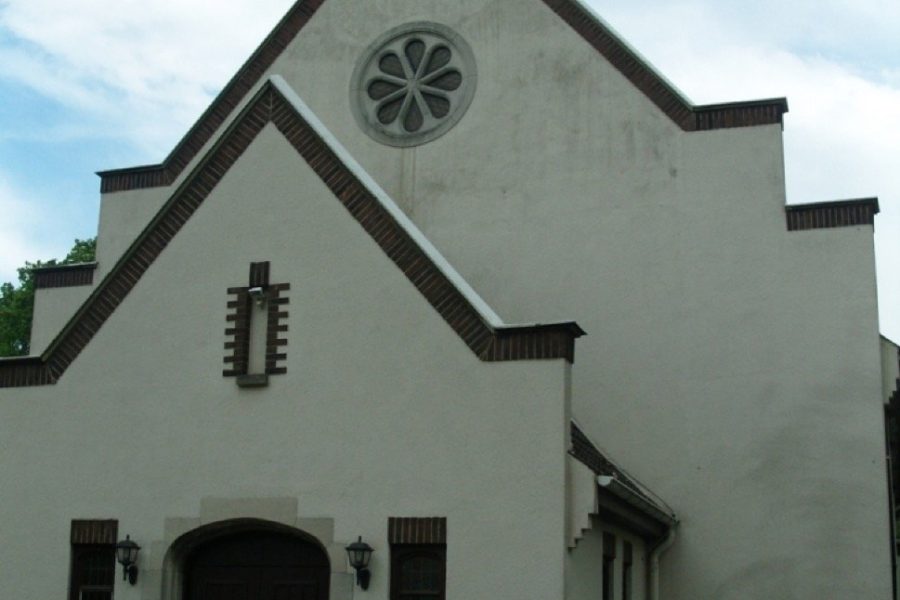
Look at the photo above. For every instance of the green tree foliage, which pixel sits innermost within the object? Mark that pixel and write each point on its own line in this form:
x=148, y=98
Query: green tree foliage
x=17, y=302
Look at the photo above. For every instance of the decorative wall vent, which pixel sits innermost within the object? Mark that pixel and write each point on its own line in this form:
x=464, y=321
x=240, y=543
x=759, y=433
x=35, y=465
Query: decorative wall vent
x=255, y=320
x=413, y=84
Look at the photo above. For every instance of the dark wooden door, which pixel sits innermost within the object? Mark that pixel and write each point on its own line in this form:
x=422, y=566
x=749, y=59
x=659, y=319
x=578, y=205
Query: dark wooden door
x=258, y=566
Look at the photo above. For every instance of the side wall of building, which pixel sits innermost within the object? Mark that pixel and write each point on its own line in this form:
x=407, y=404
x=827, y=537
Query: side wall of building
x=584, y=565
x=53, y=307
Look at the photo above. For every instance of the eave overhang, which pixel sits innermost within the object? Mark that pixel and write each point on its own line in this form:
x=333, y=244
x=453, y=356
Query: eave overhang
x=621, y=500
x=620, y=505
x=56, y=276
x=828, y=215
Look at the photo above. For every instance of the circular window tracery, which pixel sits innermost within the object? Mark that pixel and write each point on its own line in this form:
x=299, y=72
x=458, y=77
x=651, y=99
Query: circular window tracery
x=413, y=84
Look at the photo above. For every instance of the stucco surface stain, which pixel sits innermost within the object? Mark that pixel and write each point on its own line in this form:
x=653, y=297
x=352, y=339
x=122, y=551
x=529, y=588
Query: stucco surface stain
x=768, y=579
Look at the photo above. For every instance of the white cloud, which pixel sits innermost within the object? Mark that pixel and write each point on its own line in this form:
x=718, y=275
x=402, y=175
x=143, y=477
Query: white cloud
x=148, y=69
x=21, y=217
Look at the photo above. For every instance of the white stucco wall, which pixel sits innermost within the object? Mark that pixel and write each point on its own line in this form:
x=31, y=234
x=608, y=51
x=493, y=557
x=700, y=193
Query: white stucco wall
x=733, y=365
x=384, y=411
x=584, y=564
x=581, y=486
x=53, y=307
x=123, y=215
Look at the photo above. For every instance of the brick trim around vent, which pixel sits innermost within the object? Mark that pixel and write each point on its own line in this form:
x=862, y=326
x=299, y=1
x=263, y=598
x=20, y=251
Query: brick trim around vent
x=417, y=530
x=269, y=105
x=276, y=324
x=238, y=330
x=238, y=319
x=59, y=276
x=826, y=215
x=573, y=12
x=259, y=274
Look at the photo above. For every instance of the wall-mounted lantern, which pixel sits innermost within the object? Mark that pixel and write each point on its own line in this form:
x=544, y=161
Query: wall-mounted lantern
x=126, y=554
x=359, y=553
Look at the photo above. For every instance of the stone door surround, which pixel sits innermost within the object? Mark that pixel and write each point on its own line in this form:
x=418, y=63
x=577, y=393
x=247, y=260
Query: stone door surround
x=162, y=572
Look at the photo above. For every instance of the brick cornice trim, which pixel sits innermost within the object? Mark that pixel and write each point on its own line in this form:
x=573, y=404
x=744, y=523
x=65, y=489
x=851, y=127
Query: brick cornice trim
x=269, y=105
x=647, y=80
x=64, y=276
x=825, y=215
x=600, y=37
x=94, y=531
x=417, y=530
x=24, y=372
x=584, y=450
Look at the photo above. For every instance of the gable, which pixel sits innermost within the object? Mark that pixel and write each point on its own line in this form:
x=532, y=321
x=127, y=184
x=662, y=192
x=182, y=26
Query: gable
x=573, y=12
x=436, y=280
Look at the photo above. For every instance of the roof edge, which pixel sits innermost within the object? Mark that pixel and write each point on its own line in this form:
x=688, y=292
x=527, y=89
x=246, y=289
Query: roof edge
x=59, y=276
x=425, y=268
x=836, y=213
x=382, y=197
x=637, y=501
x=24, y=371
x=66, y=267
x=575, y=13
x=625, y=487
x=638, y=70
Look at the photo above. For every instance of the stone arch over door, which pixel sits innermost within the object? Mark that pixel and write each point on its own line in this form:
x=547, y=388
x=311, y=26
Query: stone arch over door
x=257, y=563
x=166, y=571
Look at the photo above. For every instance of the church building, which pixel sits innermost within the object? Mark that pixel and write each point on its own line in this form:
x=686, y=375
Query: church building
x=456, y=300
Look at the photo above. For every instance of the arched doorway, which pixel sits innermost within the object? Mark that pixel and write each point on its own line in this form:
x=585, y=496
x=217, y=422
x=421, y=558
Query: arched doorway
x=257, y=565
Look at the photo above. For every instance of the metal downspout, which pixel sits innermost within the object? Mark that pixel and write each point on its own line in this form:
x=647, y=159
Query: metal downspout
x=654, y=562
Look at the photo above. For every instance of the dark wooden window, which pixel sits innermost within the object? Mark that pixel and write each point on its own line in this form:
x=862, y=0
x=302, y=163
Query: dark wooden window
x=627, y=585
x=418, y=572
x=93, y=570
x=418, y=558
x=609, y=561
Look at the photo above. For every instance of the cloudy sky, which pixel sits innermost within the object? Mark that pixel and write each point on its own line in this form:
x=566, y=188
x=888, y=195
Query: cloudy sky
x=87, y=85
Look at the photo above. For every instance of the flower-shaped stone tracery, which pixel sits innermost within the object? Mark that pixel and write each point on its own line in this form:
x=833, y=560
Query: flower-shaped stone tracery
x=414, y=84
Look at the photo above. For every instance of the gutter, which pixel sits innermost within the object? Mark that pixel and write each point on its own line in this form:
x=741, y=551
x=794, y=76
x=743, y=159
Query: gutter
x=625, y=493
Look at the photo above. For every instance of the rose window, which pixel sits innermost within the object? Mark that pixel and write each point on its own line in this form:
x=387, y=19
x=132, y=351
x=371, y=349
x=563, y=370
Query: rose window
x=413, y=84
